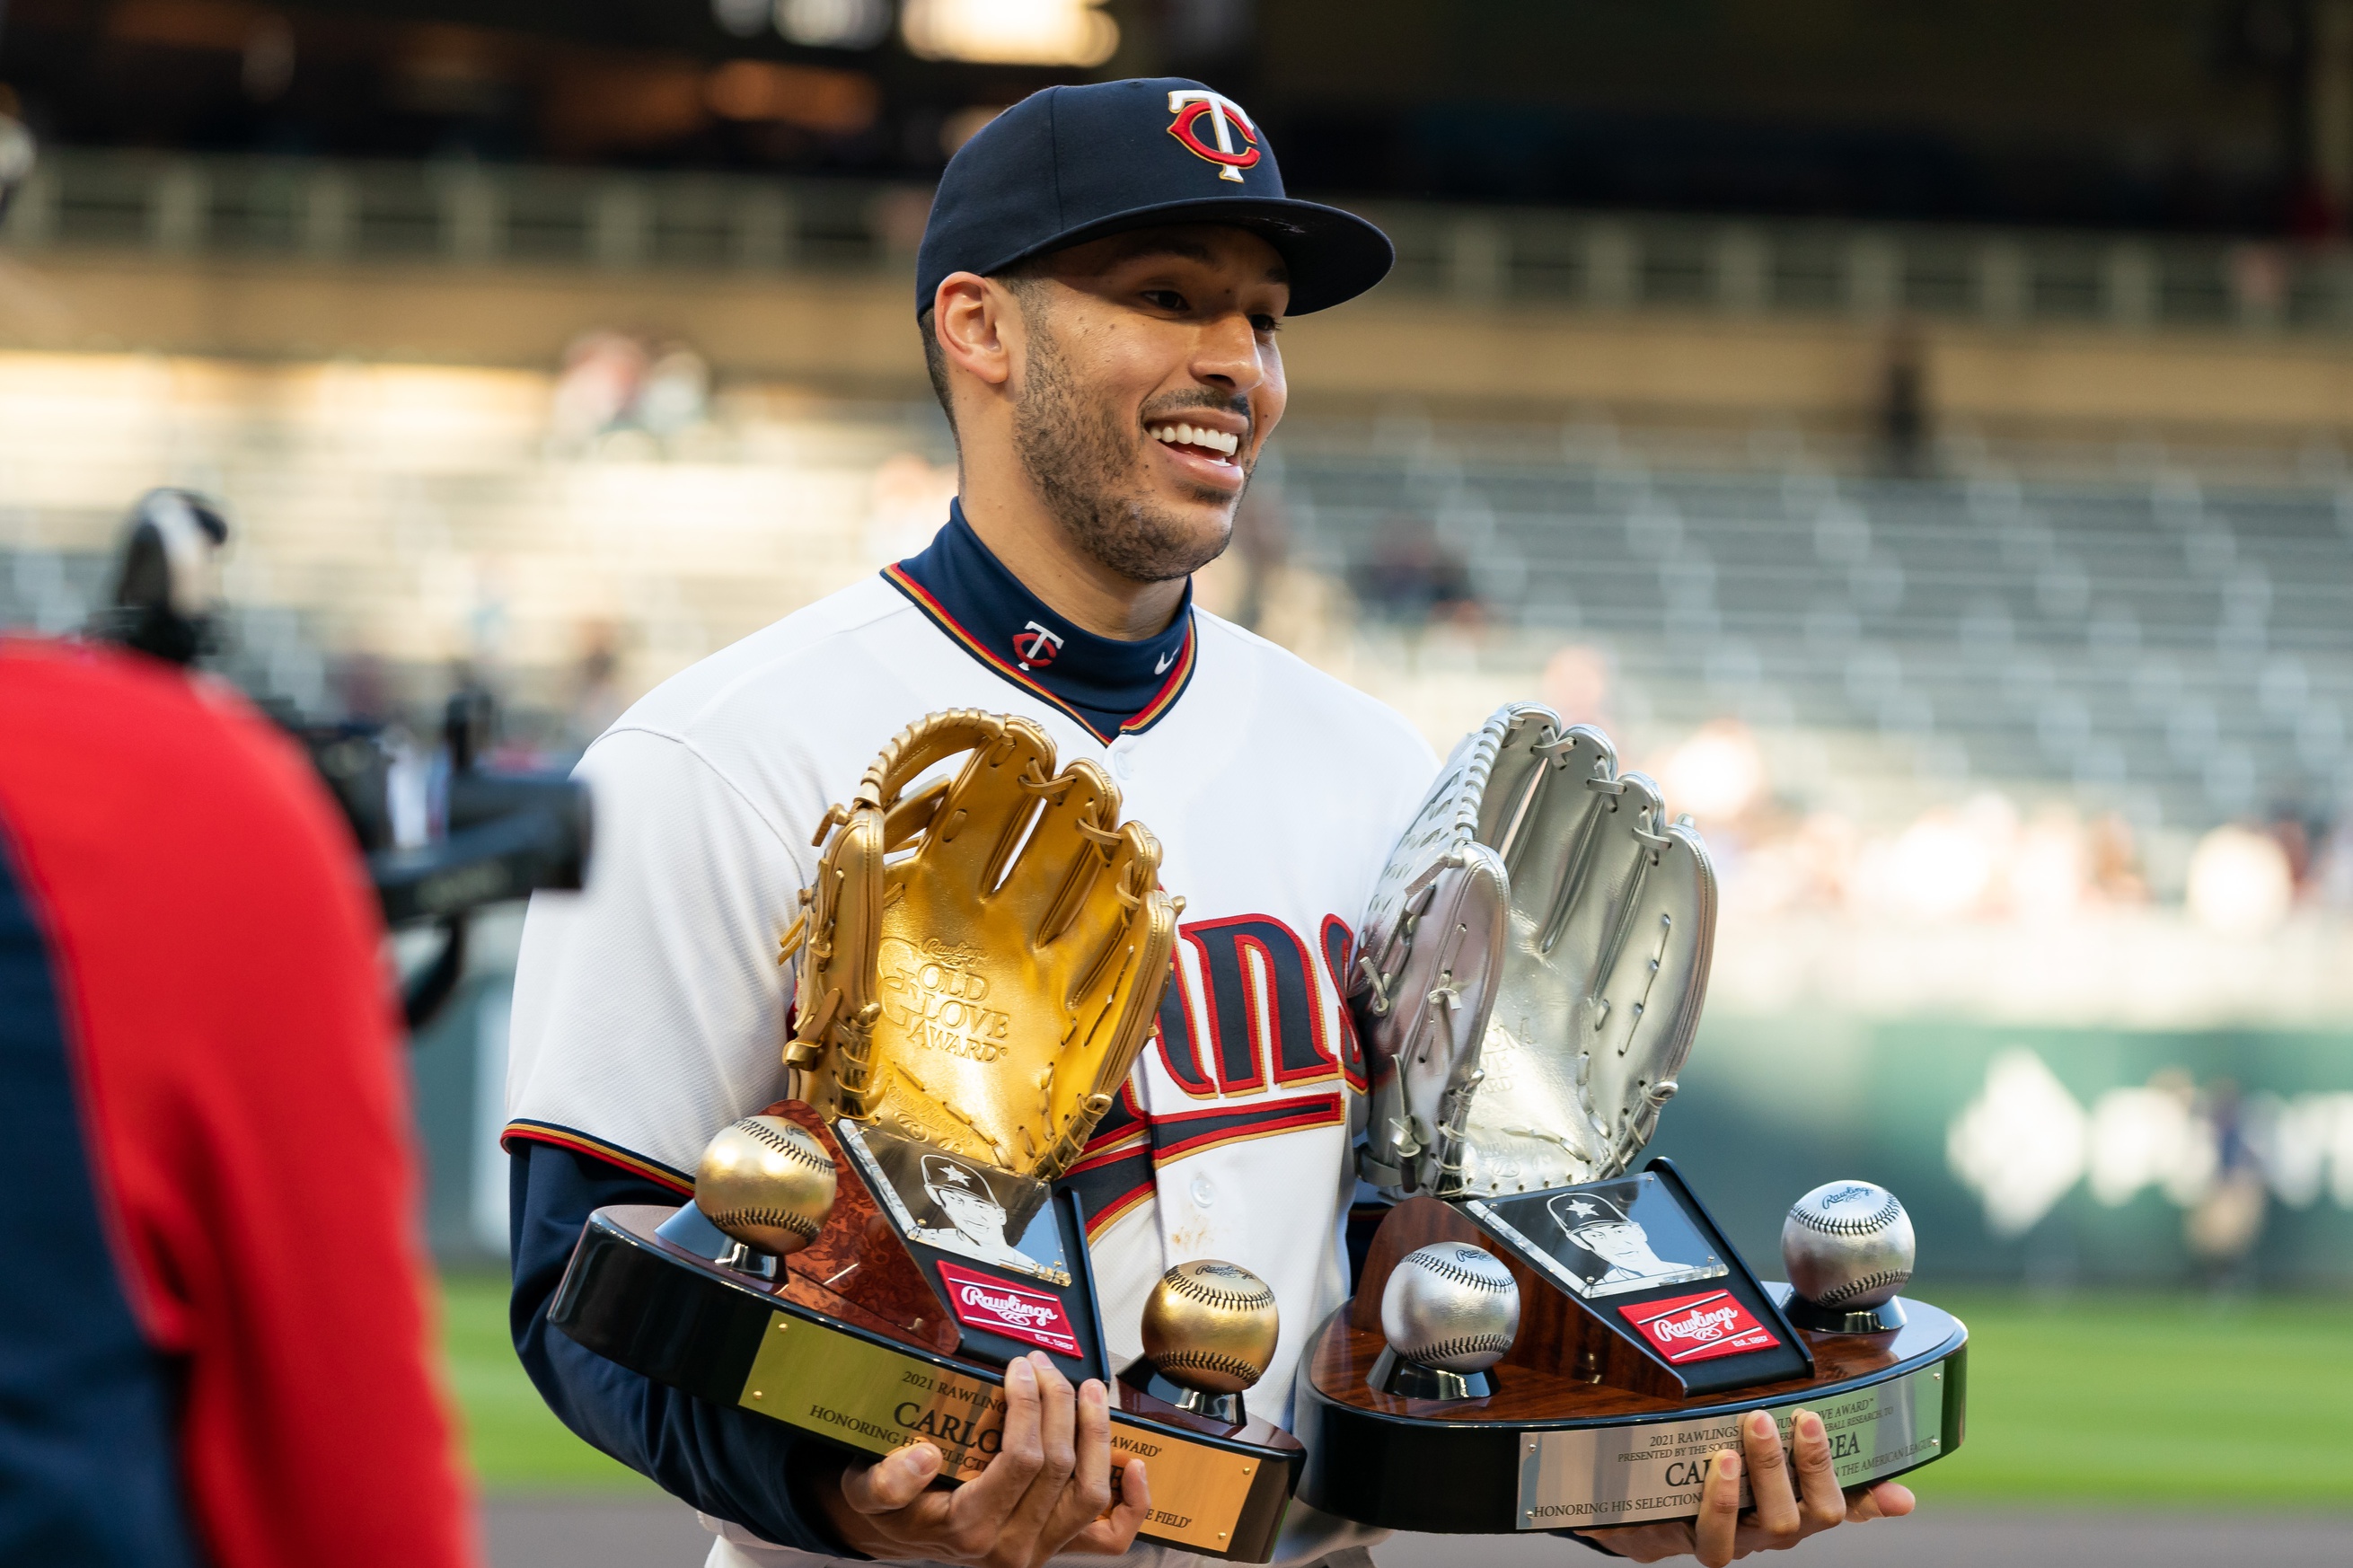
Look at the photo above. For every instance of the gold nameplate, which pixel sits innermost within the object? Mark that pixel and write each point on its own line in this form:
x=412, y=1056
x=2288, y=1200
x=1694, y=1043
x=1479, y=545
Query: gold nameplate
x=876, y=1399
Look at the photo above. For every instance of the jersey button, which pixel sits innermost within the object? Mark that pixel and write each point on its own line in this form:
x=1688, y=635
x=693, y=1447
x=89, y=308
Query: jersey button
x=1123, y=764
x=1203, y=1195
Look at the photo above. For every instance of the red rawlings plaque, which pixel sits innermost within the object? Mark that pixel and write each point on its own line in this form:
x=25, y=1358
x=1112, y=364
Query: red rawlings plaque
x=1699, y=1328
x=1033, y=1316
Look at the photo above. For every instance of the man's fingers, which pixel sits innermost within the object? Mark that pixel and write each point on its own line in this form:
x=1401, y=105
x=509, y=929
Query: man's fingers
x=982, y=1505
x=892, y=1482
x=1769, y=1491
x=1035, y=1517
x=1057, y=1421
x=1112, y=1535
x=1719, y=1524
x=1090, y=1479
x=1888, y=1499
x=1823, y=1503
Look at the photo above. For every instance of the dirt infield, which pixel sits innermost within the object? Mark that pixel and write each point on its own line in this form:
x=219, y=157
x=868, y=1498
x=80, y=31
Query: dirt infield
x=610, y=1532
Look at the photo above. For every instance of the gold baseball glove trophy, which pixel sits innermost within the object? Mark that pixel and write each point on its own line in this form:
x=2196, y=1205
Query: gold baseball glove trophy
x=982, y=954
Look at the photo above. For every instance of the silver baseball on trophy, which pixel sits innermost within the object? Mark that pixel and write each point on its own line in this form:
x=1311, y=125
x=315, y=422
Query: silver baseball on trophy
x=1449, y=1311
x=1848, y=1248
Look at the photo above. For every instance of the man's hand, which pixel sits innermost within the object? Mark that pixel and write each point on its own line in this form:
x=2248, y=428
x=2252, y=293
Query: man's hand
x=1782, y=1517
x=1044, y=1493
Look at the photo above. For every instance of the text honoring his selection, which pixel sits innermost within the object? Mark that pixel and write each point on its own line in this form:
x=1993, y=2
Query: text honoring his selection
x=1596, y=1476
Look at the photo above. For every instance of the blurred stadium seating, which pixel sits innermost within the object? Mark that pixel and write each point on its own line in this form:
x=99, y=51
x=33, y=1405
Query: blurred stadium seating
x=2028, y=720
x=467, y=212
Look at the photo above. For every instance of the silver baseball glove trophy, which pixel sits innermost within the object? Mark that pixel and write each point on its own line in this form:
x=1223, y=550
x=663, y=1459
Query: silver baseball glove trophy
x=1533, y=961
x=1530, y=973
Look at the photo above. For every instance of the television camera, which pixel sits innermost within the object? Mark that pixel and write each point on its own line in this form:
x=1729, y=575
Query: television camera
x=489, y=834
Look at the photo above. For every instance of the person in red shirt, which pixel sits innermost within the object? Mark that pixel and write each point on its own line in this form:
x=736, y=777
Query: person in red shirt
x=213, y=1330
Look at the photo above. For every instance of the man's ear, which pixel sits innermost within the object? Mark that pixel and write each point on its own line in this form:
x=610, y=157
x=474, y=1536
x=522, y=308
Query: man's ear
x=975, y=322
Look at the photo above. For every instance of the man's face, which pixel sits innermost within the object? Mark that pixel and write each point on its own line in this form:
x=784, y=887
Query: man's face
x=1149, y=384
x=1621, y=1245
x=969, y=1212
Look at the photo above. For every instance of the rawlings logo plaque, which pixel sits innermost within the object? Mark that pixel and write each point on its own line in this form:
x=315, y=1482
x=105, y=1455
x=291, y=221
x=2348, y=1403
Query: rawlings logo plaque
x=1699, y=1328
x=1032, y=1317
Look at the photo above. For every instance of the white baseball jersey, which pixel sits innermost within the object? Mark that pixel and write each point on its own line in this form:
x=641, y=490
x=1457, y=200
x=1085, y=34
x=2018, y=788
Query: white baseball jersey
x=649, y=1010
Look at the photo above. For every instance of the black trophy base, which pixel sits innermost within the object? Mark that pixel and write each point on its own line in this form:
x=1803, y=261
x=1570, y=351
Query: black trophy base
x=1618, y=1386
x=1548, y=1450
x=1392, y=1374
x=1225, y=1407
x=1884, y=1319
x=656, y=1290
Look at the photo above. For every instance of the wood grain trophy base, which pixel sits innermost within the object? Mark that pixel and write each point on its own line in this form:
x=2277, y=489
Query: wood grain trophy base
x=1615, y=1392
x=894, y=1327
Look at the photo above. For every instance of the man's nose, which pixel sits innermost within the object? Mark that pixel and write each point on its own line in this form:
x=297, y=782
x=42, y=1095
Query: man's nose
x=1229, y=353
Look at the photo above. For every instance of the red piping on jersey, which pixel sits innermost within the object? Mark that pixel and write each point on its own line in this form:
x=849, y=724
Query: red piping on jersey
x=1142, y=720
x=1228, y=1126
x=521, y=1131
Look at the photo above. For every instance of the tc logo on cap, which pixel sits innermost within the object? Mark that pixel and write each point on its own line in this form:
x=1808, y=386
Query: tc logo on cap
x=1226, y=117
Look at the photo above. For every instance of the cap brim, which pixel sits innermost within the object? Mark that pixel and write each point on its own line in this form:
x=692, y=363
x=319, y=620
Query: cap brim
x=1331, y=256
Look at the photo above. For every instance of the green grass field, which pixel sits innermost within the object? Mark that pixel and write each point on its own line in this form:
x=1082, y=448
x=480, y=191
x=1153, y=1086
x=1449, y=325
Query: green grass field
x=2170, y=1400
x=516, y=1445
x=2096, y=1399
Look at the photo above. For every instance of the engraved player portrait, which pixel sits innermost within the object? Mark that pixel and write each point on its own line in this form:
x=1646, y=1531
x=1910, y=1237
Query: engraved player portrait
x=976, y=1219
x=1609, y=1252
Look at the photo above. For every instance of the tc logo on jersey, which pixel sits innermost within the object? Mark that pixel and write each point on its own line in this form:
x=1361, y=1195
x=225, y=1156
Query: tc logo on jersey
x=1226, y=119
x=1035, y=647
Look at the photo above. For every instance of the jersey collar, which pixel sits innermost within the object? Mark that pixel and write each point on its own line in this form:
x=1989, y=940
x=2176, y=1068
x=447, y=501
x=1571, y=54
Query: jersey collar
x=1112, y=687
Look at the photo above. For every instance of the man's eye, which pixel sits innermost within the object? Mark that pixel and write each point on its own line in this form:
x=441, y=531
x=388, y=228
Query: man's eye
x=1265, y=324
x=1163, y=298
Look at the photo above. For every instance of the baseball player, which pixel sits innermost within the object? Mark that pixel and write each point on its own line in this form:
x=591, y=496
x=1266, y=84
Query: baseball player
x=1100, y=290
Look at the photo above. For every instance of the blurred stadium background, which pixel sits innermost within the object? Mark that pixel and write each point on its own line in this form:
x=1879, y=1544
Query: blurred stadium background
x=1919, y=436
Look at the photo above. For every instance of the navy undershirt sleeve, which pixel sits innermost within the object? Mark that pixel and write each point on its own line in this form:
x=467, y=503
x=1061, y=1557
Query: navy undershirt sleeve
x=730, y=1463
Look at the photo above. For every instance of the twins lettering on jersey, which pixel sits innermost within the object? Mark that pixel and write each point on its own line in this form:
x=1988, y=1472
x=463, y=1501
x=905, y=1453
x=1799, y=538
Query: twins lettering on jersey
x=1250, y=1028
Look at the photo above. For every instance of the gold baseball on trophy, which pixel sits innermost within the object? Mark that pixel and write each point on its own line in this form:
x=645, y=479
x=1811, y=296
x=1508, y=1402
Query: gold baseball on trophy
x=766, y=1182
x=1210, y=1326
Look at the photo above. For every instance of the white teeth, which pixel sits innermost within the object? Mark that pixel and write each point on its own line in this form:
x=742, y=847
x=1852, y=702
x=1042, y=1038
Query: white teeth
x=1190, y=436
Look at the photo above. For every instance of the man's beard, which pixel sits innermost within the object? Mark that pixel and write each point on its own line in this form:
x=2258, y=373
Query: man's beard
x=1083, y=461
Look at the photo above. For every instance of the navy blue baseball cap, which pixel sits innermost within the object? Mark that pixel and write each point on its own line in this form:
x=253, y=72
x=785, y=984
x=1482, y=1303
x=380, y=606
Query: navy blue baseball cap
x=1074, y=163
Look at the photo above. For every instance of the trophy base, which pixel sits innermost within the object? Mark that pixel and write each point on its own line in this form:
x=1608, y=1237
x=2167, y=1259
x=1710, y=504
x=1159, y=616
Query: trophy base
x=1554, y=1451
x=645, y=1289
x=1884, y=1319
x=1392, y=1374
x=1225, y=1407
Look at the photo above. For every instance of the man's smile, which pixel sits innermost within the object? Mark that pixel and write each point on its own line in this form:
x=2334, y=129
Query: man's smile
x=1205, y=446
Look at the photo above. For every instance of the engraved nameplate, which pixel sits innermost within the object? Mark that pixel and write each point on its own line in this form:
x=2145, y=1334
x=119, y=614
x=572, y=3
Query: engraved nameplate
x=1598, y=1476
x=870, y=1397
